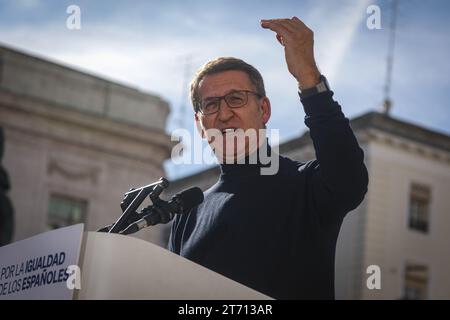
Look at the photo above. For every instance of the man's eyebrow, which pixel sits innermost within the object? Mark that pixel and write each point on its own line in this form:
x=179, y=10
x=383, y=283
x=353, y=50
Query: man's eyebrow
x=227, y=92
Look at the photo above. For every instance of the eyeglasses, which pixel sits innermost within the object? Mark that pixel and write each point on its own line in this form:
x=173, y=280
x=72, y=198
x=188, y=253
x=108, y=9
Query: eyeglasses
x=234, y=99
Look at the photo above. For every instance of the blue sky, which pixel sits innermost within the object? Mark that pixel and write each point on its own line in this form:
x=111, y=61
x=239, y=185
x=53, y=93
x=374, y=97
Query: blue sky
x=145, y=44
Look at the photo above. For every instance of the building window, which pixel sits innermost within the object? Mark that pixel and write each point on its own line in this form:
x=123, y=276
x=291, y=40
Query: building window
x=65, y=211
x=419, y=207
x=416, y=282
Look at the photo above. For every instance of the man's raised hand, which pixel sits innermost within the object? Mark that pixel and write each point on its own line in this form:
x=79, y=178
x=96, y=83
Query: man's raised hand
x=298, y=42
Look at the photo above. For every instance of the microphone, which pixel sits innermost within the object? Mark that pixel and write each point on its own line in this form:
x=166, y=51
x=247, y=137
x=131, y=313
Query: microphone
x=162, y=211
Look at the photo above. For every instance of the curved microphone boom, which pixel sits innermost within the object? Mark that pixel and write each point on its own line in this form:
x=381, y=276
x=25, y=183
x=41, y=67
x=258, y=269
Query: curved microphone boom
x=163, y=211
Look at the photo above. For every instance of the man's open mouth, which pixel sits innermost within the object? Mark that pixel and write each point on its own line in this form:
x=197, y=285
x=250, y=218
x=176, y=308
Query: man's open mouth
x=228, y=130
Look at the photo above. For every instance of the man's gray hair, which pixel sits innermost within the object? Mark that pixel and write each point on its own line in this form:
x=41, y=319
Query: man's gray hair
x=225, y=64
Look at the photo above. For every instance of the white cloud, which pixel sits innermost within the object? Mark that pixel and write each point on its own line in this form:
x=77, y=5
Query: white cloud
x=26, y=4
x=337, y=24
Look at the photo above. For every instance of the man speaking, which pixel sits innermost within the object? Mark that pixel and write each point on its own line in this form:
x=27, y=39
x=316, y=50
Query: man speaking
x=275, y=233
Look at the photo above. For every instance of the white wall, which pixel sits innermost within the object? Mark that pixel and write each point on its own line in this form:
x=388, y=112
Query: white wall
x=394, y=165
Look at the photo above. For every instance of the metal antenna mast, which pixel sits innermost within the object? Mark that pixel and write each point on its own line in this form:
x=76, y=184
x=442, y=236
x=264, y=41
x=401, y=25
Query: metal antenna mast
x=180, y=121
x=184, y=90
x=387, y=102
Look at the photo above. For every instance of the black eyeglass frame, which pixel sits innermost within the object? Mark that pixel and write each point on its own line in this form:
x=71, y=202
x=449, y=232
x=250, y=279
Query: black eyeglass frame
x=219, y=100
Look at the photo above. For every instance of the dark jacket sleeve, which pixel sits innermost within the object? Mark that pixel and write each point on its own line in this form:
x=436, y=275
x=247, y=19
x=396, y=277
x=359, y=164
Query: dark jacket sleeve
x=338, y=178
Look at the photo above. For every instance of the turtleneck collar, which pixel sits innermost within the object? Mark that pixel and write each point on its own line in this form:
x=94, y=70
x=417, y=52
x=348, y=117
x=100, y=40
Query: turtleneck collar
x=249, y=167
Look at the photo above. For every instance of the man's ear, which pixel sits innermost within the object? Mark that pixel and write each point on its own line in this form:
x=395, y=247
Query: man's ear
x=199, y=126
x=265, y=110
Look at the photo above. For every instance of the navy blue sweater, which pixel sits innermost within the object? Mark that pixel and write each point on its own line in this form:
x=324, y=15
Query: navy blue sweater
x=277, y=233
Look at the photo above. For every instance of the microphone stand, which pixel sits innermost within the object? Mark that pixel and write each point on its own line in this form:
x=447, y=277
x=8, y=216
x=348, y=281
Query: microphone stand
x=131, y=202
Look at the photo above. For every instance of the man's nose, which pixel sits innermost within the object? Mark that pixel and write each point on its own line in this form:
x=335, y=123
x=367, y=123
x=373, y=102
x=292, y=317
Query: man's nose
x=225, y=112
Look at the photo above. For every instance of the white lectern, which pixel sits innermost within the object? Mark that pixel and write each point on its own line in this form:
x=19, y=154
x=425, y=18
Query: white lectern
x=111, y=266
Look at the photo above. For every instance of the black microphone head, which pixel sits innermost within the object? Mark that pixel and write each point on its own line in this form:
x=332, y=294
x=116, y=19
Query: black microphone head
x=188, y=199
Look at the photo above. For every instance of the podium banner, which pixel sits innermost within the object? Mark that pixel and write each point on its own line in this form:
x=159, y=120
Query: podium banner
x=39, y=267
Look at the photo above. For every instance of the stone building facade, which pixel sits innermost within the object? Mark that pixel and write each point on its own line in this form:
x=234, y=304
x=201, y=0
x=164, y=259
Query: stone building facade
x=74, y=143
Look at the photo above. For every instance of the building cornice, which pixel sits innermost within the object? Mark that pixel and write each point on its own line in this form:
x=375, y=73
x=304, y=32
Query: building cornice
x=374, y=126
x=38, y=118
